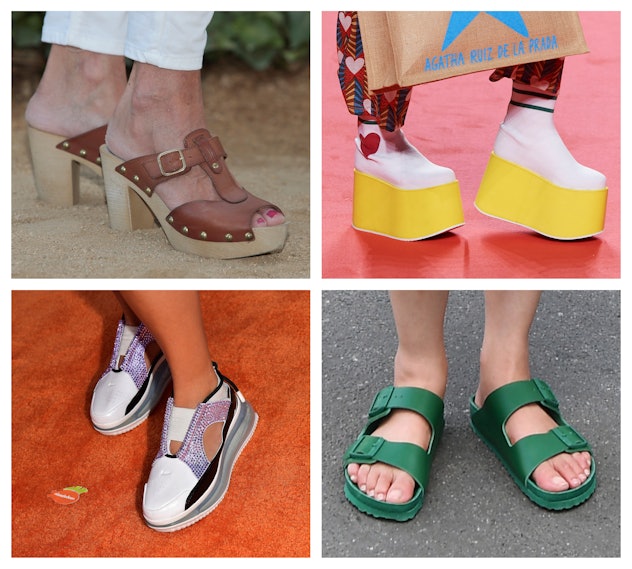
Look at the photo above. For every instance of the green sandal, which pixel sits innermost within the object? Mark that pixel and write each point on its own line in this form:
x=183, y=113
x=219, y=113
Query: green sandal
x=521, y=458
x=408, y=457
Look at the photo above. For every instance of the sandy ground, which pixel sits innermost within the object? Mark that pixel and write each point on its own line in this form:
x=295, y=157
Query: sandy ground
x=263, y=122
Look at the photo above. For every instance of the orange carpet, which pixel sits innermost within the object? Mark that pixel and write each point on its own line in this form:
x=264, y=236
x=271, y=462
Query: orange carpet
x=454, y=122
x=62, y=342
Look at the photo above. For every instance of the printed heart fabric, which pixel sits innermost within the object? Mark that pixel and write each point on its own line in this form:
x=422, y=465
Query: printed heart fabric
x=389, y=109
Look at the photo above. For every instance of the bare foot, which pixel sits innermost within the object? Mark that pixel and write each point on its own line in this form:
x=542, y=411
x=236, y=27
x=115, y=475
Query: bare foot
x=78, y=91
x=561, y=472
x=159, y=108
x=382, y=481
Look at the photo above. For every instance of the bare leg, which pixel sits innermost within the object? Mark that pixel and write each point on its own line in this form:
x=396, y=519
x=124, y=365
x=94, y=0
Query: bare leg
x=175, y=320
x=131, y=324
x=78, y=91
x=505, y=359
x=159, y=108
x=420, y=362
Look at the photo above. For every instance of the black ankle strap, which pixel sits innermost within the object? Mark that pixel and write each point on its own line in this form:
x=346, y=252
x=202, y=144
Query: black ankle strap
x=534, y=107
x=223, y=379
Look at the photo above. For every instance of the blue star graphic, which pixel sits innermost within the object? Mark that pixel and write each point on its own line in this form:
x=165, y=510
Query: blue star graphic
x=461, y=20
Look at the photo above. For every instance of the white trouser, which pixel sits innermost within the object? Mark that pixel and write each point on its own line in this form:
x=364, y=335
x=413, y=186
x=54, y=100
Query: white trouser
x=172, y=40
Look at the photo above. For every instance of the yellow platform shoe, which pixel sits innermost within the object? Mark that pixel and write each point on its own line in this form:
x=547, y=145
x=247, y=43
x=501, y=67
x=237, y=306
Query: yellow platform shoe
x=513, y=193
x=408, y=215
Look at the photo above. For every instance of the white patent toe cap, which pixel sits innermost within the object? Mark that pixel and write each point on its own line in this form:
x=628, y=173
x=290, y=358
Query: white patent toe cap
x=111, y=396
x=166, y=491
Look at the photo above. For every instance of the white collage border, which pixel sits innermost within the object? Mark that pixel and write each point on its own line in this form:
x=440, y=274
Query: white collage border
x=315, y=284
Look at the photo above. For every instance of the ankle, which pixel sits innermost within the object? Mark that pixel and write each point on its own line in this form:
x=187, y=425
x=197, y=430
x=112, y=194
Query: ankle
x=198, y=388
x=498, y=370
x=78, y=91
x=159, y=108
x=166, y=95
x=426, y=372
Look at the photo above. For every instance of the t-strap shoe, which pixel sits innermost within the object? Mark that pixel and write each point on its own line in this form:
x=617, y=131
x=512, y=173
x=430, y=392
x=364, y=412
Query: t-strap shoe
x=218, y=229
x=128, y=391
x=186, y=486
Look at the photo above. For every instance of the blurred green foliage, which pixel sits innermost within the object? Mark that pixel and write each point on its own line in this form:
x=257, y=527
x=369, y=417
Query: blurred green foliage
x=26, y=29
x=260, y=39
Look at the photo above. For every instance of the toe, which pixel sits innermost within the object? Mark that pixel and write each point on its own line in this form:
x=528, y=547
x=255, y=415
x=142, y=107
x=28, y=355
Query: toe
x=584, y=460
x=363, y=473
x=267, y=217
x=383, y=484
x=372, y=478
x=259, y=221
x=563, y=471
x=401, y=489
x=352, y=471
x=547, y=477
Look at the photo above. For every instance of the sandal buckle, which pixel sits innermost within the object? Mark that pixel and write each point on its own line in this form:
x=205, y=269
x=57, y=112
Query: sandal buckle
x=381, y=401
x=173, y=172
x=365, y=447
x=570, y=437
x=546, y=392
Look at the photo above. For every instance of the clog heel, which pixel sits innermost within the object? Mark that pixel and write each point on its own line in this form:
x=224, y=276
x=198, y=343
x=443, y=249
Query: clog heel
x=56, y=161
x=126, y=209
x=408, y=215
x=518, y=195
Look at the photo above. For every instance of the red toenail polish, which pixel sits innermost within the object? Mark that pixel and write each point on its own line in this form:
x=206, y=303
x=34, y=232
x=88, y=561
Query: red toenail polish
x=271, y=214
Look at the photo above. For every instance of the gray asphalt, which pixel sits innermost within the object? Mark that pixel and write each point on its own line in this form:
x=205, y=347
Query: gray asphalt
x=472, y=507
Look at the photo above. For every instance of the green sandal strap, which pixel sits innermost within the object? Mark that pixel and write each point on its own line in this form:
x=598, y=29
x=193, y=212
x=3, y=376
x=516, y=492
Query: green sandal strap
x=502, y=402
x=531, y=451
x=526, y=454
x=414, y=460
x=421, y=401
x=404, y=456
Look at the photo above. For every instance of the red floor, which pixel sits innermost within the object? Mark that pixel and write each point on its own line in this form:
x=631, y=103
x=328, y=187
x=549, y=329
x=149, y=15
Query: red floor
x=454, y=122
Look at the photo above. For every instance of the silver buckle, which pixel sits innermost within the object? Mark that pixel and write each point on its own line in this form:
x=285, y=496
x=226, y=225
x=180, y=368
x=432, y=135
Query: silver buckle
x=182, y=168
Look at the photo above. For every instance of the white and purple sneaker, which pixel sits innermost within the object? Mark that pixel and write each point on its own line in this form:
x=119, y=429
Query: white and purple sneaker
x=186, y=486
x=128, y=390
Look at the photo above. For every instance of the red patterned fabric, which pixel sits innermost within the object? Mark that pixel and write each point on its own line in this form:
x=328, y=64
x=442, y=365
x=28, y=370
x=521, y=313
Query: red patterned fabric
x=545, y=75
x=389, y=109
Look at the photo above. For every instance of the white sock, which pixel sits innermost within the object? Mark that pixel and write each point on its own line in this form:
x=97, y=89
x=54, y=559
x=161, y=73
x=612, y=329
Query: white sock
x=390, y=157
x=528, y=137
